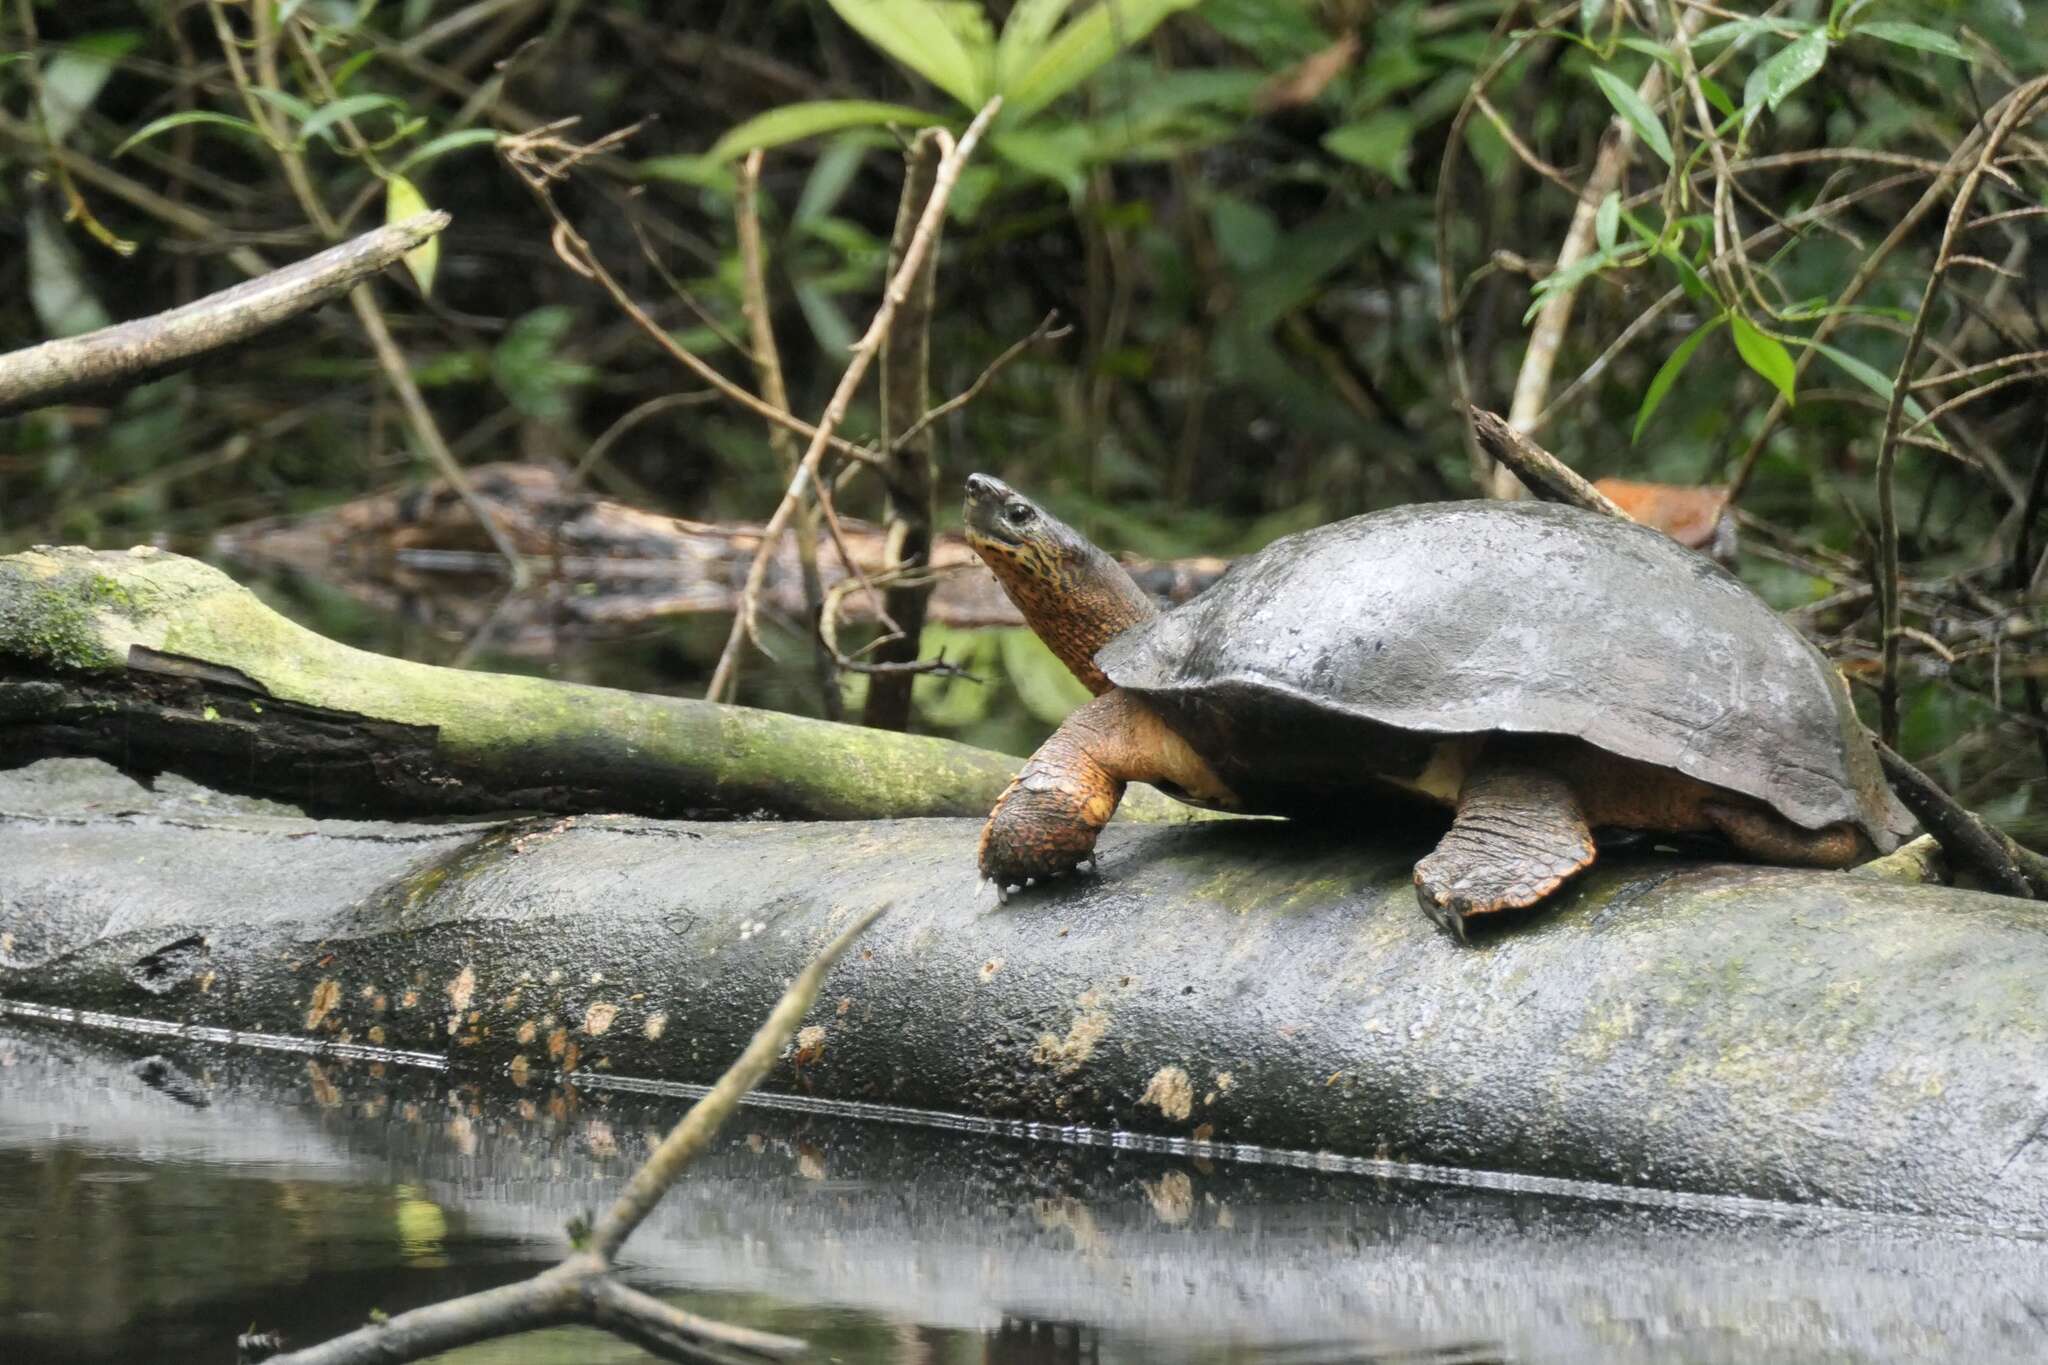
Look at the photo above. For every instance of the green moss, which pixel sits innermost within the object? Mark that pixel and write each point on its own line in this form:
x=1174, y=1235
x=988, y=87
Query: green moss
x=45, y=623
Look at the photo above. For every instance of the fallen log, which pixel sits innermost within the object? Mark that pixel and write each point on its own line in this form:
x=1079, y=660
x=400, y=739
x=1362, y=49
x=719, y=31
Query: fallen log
x=599, y=565
x=162, y=664
x=1791, y=1035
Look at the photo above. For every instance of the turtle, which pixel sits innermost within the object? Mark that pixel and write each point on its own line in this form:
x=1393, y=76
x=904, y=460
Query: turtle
x=1538, y=670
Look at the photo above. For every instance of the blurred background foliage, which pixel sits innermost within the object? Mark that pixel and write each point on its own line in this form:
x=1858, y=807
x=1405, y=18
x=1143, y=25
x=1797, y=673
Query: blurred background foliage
x=1235, y=203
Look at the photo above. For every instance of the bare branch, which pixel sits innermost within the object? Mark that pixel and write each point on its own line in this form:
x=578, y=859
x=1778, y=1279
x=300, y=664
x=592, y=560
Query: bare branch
x=863, y=355
x=696, y=1129
x=129, y=351
x=581, y=1288
x=1543, y=473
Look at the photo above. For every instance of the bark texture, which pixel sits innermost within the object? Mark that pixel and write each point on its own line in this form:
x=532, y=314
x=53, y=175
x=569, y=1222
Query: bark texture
x=1805, y=1036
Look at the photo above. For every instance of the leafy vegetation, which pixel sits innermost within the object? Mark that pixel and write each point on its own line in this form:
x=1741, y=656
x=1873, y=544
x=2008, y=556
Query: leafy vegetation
x=1252, y=214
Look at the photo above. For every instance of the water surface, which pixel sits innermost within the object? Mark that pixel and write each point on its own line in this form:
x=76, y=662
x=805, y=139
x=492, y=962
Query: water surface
x=158, y=1196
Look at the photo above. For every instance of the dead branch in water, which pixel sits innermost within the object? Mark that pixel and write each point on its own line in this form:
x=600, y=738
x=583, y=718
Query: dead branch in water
x=583, y=1287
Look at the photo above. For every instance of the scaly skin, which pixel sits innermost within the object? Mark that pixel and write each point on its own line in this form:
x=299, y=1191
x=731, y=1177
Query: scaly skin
x=1073, y=596
x=1046, y=823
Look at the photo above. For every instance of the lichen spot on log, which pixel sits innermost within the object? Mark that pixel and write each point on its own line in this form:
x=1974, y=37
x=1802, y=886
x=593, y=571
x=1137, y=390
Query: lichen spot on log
x=656, y=1025
x=1068, y=1055
x=559, y=1044
x=810, y=1044
x=990, y=968
x=376, y=1035
x=1171, y=1091
x=1172, y=1198
x=326, y=996
x=599, y=1017
x=521, y=1070
x=528, y=1031
x=1224, y=1081
x=462, y=989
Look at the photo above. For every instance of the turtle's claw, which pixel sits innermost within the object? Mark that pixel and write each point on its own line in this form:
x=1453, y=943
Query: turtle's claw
x=1444, y=906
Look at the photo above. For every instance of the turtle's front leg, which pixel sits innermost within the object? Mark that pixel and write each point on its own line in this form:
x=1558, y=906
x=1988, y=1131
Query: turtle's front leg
x=1046, y=821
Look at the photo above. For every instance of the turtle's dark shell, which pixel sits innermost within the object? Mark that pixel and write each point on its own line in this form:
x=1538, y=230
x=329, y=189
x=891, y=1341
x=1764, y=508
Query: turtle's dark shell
x=1532, y=618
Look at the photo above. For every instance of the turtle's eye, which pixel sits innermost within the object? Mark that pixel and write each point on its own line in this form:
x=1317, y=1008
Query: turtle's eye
x=1018, y=514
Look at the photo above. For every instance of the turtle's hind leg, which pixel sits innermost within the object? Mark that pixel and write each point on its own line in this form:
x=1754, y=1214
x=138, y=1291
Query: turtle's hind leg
x=1770, y=838
x=1519, y=834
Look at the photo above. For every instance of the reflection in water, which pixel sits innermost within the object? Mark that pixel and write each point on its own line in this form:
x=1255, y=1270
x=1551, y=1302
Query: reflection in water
x=157, y=1201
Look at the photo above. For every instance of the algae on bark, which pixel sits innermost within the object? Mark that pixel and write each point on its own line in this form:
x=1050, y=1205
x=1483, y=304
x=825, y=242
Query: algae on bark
x=162, y=663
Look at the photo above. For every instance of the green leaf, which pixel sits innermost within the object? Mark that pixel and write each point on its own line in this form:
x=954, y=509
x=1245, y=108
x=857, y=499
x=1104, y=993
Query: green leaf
x=1660, y=53
x=700, y=171
x=349, y=106
x=1796, y=64
x=1914, y=36
x=1634, y=111
x=1024, y=35
x=170, y=121
x=1573, y=275
x=1246, y=233
x=830, y=174
x=530, y=369
x=1748, y=28
x=1608, y=221
x=1379, y=141
x=1079, y=49
x=73, y=78
x=403, y=200
x=297, y=109
x=444, y=144
x=1763, y=353
x=833, y=333
x=796, y=121
x=1717, y=97
x=1872, y=378
x=1059, y=154
x=1667, y=375
x=926, y=36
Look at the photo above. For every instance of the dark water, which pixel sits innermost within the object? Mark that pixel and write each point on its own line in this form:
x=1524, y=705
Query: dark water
x=157, y=1197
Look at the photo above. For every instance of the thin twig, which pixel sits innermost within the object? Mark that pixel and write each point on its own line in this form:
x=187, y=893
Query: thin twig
x=1048, y=329
x=1446, y=177
x=835, y=411
x=528, y=155
x=397, y=369
x=2015, y=107
x=775, y=390
x=1866, y=271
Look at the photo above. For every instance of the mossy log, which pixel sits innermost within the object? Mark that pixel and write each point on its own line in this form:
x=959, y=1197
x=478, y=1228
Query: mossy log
x=1791, y=1035
x=159, y=663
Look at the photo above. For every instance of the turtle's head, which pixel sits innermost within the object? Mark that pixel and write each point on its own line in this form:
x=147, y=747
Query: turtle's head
x=1004, y=525
x=1073, y=595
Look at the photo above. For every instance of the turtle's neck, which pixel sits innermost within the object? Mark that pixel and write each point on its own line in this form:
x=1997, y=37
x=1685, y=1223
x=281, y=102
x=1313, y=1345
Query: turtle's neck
x=1076, y=599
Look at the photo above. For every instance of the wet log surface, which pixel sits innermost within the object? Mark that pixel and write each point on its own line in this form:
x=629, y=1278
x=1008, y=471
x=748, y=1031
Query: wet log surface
x=1803, y=1036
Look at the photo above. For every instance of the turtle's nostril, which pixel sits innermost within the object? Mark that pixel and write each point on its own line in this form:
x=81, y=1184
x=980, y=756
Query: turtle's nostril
x=980, y=485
